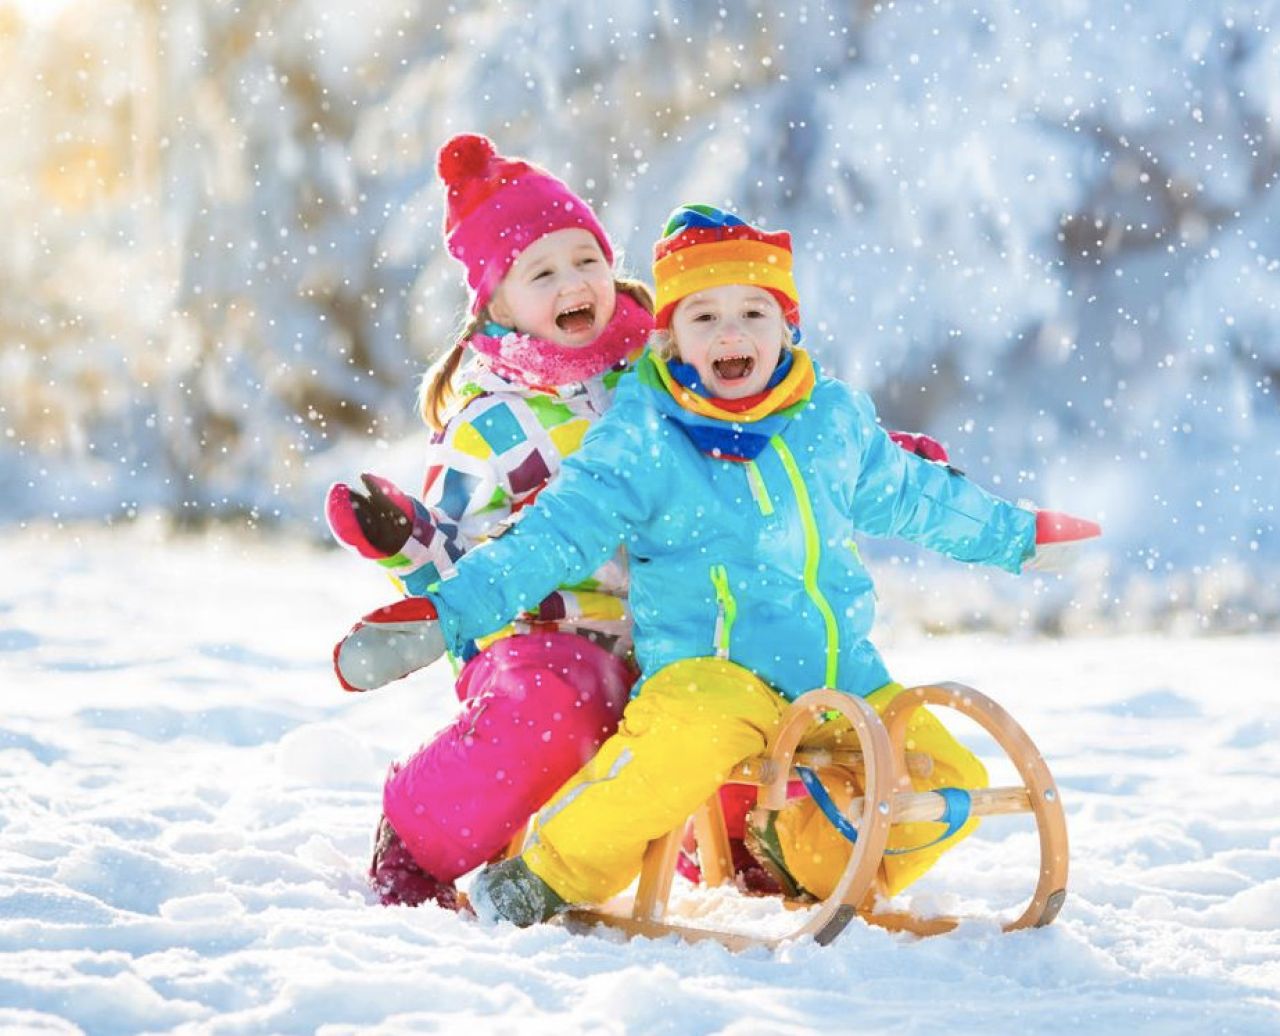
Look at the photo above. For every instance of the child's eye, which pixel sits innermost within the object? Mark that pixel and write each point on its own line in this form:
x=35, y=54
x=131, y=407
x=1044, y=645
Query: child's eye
x=540, y=275
x=703, y=318
x=755, y=314
x=590, y=260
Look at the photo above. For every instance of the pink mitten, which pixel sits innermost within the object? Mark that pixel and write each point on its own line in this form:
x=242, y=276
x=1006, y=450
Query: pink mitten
x=921, y=445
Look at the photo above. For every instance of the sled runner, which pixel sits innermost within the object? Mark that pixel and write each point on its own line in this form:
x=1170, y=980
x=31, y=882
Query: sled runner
x=882, y=768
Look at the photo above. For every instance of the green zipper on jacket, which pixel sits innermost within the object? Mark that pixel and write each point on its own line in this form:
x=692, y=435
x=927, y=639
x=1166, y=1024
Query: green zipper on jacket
x=812, y=555
x=726, y=610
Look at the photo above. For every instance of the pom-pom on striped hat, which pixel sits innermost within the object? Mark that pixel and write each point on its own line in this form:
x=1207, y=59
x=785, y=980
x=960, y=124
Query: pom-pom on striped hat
x=705, y=247
x=497, y=207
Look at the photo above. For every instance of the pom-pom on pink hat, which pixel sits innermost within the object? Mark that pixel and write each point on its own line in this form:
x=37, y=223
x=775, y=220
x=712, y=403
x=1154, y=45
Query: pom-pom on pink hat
x=497, y=207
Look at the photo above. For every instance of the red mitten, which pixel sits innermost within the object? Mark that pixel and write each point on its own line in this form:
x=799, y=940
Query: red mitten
x=1057, y=535
x=389, y=644
x=1059, y=527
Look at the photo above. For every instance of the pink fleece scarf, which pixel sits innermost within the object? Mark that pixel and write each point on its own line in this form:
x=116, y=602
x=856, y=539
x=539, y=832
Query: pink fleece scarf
x=536, y=362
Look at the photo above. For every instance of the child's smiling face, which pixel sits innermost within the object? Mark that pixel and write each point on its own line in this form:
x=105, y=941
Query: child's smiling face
x=559, y=289
x=732, y=336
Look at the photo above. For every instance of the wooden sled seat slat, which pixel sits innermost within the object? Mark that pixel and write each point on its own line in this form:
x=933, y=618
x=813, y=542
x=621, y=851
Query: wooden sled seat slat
x=763, y=770
x=913, y=807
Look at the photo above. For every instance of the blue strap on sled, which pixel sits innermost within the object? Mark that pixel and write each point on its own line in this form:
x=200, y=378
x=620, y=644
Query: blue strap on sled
x=955, y=813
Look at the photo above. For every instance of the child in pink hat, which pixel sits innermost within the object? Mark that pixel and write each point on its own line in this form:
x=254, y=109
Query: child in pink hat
x=552, y=328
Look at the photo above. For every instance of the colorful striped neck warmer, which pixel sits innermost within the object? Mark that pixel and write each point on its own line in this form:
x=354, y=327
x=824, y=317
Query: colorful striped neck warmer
x=537, y=363
x=731, y=429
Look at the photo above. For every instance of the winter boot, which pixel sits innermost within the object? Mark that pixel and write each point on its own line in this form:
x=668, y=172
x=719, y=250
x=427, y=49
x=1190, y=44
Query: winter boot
x=397, y=878
x=749, y=873
x=509, y=891
x=762, y=842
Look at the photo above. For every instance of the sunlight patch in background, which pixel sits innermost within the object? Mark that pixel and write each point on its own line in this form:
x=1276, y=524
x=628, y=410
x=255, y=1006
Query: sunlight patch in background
x=36, y=12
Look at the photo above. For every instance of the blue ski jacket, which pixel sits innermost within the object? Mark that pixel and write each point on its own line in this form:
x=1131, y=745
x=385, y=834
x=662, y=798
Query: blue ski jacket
x=751, y=561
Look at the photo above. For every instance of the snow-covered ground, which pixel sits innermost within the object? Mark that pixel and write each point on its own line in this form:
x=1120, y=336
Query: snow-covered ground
x=187, y=799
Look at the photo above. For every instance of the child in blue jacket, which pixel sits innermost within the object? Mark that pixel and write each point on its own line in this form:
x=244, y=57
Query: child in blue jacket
x=736, y=475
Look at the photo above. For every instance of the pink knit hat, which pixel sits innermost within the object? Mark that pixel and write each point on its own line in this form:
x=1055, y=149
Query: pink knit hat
x=497, y=207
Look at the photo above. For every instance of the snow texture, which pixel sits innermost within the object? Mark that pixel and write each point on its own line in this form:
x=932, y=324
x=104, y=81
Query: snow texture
x=187, y=802
x=1045, y=234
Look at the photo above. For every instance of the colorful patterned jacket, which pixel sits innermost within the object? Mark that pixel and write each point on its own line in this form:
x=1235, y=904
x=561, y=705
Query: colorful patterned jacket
x=755, y=562
x=503, y=444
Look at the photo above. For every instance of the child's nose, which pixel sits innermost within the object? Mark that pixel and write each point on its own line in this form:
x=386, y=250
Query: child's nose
x=730, y=329
x=573, y=278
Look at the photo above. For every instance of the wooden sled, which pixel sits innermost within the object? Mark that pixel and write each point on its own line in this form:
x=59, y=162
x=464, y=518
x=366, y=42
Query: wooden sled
x=883, y=767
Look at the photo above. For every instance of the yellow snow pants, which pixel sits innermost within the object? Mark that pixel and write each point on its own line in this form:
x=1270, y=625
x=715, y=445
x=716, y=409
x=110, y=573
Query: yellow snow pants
x=678, y=740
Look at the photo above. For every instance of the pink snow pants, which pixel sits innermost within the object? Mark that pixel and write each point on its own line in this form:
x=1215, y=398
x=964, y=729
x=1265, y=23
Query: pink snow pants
x=536, y=707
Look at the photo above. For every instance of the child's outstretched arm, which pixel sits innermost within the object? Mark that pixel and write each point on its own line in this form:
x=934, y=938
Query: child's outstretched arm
x=898, y=494
x=468, y=492
x=604, y=490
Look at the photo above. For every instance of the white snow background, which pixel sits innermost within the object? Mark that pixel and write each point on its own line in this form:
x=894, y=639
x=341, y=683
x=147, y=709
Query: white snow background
x=187, y=802
x=1045, y=233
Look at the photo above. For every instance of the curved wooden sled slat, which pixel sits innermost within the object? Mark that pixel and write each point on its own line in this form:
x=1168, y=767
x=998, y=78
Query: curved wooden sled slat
x=1040, y=796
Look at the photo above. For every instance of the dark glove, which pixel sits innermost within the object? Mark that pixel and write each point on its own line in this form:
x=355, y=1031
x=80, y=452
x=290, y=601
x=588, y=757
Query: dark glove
x=375, y=523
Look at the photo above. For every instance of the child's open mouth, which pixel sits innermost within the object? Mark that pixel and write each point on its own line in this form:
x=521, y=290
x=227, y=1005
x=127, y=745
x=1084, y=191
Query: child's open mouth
x=577, y=319
x=733, y=368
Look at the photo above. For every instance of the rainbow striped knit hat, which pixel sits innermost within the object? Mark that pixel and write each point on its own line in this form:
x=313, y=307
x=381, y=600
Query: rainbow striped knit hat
x=705, y=247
